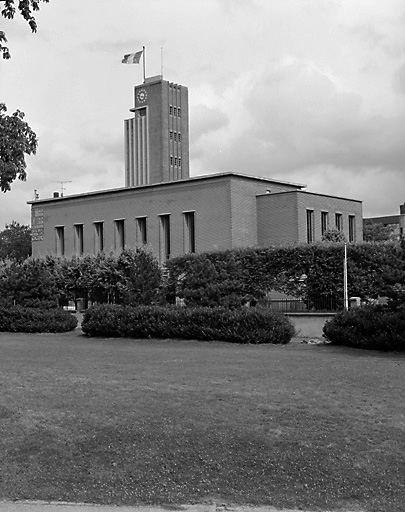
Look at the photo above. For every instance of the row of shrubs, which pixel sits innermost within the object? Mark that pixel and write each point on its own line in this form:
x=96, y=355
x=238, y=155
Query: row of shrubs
x=368, y=327
x=21, y=319
x=222, y=278
x=243, y=325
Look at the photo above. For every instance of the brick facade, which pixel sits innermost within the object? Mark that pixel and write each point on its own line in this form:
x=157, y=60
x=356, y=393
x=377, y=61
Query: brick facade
x=228, y=210
x=283, y=218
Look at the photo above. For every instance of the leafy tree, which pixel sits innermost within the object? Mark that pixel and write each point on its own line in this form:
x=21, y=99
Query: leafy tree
x=333, y=235
x=26, y=8
x=393, y=278
x=15, y=242
x=377, y=232
x=28, y=284
x=16, y=137
x=16, y=140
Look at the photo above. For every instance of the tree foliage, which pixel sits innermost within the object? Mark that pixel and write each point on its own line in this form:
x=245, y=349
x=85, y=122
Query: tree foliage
x=377, y=232
x=15, y=242
x=26, y=9
x=333, y=235
x=29, y=284
x=17, y=139
x=308, y=272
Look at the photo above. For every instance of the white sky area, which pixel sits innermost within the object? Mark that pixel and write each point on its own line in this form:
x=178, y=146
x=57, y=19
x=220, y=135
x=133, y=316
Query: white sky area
x=306, y=91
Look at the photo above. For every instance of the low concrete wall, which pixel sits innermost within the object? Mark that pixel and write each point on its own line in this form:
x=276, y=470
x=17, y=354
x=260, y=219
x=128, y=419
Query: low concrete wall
x=309, y=325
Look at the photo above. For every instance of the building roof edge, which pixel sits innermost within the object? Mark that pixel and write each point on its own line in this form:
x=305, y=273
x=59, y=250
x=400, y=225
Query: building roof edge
x=166, y=183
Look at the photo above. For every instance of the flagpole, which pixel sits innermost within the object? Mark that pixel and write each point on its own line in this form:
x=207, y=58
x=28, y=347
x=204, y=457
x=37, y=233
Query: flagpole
x=143, y=60
x=161, y=61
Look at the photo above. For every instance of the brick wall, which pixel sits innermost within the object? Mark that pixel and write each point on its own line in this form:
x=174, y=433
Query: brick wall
x=282, y=218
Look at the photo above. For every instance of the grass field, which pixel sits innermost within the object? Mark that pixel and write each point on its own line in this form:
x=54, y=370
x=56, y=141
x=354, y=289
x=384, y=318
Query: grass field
x=169, y=422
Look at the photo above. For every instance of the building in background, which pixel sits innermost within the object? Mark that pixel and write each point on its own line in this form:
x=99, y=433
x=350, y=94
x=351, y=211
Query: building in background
x=163, y=208
x=395, y=222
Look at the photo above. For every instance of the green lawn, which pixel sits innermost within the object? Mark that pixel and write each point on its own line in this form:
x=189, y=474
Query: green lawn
x=169, y=422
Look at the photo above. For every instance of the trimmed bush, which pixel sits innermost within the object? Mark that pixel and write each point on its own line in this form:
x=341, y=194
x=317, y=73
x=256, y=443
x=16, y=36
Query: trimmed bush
x=243, y=325
x=20, y=319
x=371, y=327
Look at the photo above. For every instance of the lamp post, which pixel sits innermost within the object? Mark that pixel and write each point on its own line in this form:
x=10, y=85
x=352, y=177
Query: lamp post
x=345, y=294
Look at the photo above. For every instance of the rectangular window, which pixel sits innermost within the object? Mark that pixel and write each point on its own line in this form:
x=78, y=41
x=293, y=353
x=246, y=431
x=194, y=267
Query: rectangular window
x=175, y=111
x=179, y=112
x=175, y=161
x=98, y=237
x=119, y=232
x=141, y=231
x=179, y=161
x=310, y=226
x=179, y=137
x=171, y=135
x=189, y=232
x=324, y=222
x=60, y=240
x=171, y=110
x=352, y=228
x=171, y=160
x=339, y=221
x=175, y=136
x=78, y=239
x=164, y=237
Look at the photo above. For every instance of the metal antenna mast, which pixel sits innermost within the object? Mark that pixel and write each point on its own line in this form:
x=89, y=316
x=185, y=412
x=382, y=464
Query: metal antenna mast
x=62, y=183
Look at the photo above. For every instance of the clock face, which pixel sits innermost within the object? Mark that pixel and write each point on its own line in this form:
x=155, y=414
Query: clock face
x=141, y=95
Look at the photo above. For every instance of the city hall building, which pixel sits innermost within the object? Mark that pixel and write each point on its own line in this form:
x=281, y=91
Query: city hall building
x=171, y=213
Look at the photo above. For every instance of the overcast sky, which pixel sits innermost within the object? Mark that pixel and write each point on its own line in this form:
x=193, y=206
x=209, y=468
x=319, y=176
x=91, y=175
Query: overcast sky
x=308, y=91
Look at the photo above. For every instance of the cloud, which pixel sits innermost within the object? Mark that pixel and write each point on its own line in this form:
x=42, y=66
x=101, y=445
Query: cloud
x=398, y=80
x=296, y=116
x=206, y=121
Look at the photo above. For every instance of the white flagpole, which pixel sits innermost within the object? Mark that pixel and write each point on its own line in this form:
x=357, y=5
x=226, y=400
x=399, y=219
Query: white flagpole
x=345, y=294
x=161, y=61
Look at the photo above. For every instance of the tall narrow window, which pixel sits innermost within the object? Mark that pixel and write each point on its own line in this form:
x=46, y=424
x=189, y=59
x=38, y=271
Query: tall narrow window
x=189, y=232
x=141, y=231
x=78, y=239
x=352, y=228
x=324, y=222
x=310, y=226
x=98, y=237
x=60, y=240
x=119, y=234
x=338, y=221
x=164, y=238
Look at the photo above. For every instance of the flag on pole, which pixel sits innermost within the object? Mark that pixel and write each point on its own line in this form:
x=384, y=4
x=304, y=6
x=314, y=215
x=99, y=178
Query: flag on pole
x=132, y=58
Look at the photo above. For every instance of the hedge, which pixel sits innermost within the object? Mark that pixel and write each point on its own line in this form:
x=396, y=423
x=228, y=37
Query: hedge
x=20, y=319
x=371, y=327
x=243, y=325
x=306, y=271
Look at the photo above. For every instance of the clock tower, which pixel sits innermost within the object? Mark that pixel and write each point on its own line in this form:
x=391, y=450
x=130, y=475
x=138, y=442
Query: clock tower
x=157, y=137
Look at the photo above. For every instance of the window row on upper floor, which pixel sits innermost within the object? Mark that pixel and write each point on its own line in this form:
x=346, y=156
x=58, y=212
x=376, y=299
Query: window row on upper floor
x=326, y=225
x=120, y=228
